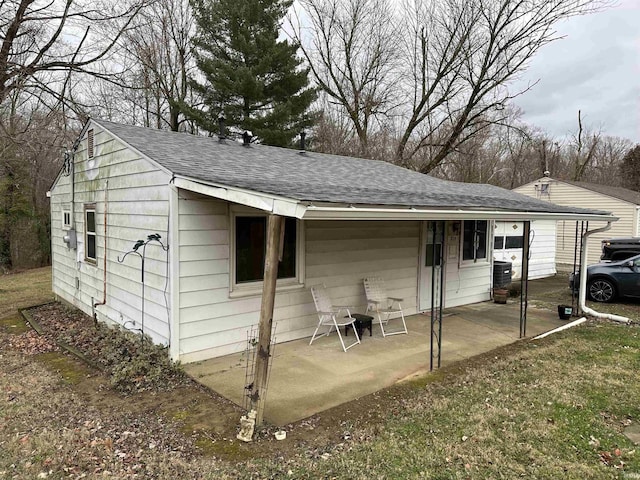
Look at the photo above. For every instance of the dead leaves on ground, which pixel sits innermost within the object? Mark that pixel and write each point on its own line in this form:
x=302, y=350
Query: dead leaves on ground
x=31, y=343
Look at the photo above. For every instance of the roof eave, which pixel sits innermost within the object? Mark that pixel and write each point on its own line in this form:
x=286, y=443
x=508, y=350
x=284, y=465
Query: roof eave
x=384, y=213
x=304, y=210
x=261, y=201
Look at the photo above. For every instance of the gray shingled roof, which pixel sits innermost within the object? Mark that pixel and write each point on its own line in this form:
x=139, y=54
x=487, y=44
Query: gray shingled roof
x=620, y=193
x=316, y=177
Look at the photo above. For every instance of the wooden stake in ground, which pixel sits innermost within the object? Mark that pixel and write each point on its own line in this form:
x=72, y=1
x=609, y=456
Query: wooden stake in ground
x=258, y=392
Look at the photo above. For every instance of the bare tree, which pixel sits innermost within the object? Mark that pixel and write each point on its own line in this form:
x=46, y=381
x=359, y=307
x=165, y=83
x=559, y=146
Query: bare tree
x=445, y=80
x=56, y=37
x=584, y=147
x=352, y=52
x=605, y=166
x=160, y=47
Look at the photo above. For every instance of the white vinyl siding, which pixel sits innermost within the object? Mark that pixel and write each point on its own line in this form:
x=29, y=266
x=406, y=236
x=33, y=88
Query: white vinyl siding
x=137, y=206
x=542, y=263
x=338, y=254
x=566, y=194
x=469, y=284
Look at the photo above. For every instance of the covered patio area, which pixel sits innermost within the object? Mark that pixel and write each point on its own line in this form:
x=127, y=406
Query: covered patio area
x=307, y=379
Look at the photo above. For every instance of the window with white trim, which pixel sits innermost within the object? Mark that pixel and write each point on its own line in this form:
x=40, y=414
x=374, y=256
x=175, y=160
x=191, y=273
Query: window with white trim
x=474, y=240
x=66, y=218
x=90, y=233
x=249, y=249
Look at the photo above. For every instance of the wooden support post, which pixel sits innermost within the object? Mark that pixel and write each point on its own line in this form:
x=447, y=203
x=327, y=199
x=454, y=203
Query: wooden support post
x=261, y=369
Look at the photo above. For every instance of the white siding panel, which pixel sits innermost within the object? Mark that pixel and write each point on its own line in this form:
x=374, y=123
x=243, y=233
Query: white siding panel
x=467, y=284
x=191, y=206
x=338, y=254
x=203, y=267
x=137, y=207
x=203, y=222
x=203, y=282
x=204, y=252
x=204, y=237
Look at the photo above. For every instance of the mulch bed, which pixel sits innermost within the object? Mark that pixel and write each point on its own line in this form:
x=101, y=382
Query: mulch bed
x=133, y=362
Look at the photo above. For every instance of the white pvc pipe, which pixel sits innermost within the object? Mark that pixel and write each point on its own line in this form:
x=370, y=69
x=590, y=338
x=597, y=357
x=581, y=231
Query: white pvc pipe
x=583, y=280
x=575, y=323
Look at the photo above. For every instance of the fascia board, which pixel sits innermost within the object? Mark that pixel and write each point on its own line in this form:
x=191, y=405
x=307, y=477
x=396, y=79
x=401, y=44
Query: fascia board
x=268, y=203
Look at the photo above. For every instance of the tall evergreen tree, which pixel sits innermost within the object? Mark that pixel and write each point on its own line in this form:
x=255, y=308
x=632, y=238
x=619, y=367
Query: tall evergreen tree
x=255, y=80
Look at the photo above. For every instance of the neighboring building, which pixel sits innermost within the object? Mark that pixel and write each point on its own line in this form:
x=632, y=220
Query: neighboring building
x=623, y=203
x=346, y=218
x=508, y=242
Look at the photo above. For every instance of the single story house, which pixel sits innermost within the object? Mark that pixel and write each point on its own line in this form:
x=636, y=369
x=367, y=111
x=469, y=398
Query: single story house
x=208, y=198
x=508, y=240
x=622, y=202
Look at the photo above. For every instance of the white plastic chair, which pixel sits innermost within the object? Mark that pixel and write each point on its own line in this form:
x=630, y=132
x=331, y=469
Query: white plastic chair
x=331, y=316
x=383, y=305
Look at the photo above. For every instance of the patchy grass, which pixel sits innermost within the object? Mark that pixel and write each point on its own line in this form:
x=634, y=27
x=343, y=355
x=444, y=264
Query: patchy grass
x=554, y=408
x=549, y=409
x=550, y=292
x=25, y=289
x=13, y=324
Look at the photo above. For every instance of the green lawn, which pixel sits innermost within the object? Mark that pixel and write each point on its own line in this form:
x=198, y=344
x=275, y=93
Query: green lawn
x=548, y=409
x=20, y=290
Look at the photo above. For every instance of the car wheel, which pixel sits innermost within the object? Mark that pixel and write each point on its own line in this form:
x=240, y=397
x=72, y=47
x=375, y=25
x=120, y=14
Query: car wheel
x=601, y=290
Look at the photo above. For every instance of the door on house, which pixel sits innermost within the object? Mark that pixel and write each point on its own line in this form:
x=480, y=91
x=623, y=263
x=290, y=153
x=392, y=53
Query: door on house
x=431, y=255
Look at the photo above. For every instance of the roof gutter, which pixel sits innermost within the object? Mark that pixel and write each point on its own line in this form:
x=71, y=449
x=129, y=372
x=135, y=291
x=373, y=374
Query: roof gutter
x=583, y=280
x=408, y=213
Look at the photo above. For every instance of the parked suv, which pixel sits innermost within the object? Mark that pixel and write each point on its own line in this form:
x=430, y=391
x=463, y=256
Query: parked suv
x=616, y=249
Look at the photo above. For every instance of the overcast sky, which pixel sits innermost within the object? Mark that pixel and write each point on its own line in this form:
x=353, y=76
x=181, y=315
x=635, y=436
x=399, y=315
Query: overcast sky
x=596, y=69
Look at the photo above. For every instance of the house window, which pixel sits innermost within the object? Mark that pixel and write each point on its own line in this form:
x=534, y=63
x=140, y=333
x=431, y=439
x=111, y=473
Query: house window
x=250, y=249
x=66, y=218
x=498, y=243
x=439, y=240
x=90, y=143
x=474, y=240
x=90, y=233
x=515, y=242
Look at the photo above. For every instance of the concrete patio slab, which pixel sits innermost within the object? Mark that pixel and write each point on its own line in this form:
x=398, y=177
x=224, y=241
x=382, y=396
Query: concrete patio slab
x=307, y=379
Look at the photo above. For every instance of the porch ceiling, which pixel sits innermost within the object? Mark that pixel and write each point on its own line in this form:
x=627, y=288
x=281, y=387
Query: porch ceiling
x=308, y=379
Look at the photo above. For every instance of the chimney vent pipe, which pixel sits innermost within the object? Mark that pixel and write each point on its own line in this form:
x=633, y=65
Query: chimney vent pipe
x=221, y=128
x=303, y=136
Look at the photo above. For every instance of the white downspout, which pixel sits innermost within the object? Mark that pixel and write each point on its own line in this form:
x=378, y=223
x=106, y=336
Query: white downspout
x=583, y=280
